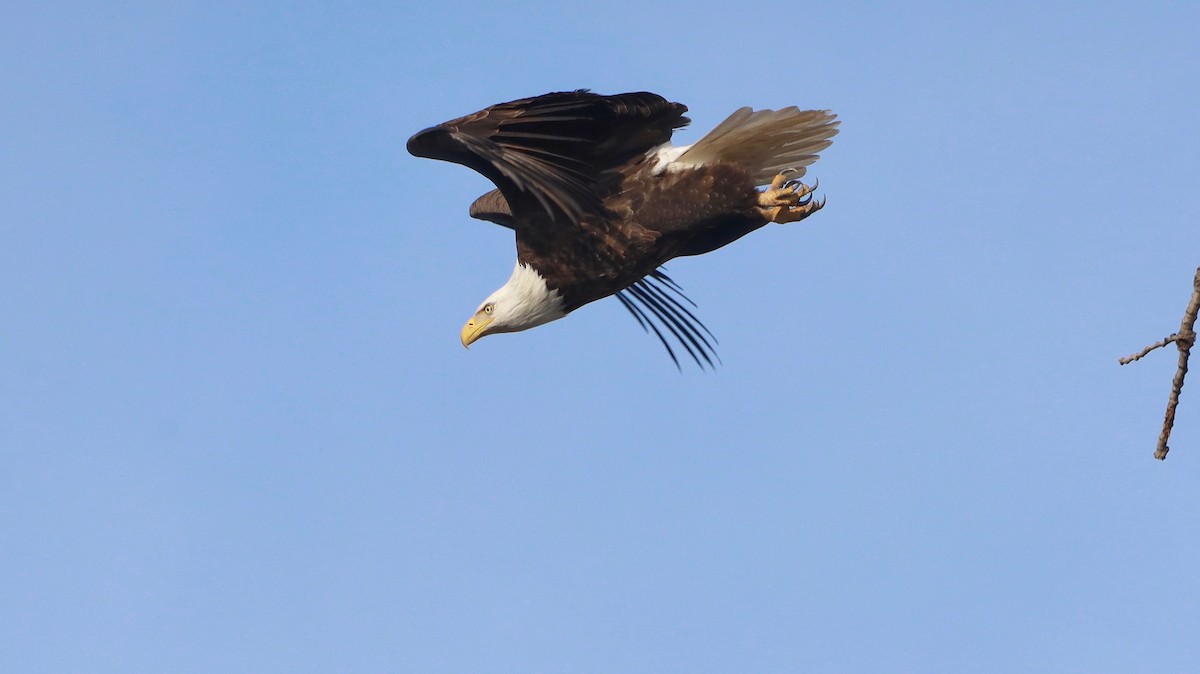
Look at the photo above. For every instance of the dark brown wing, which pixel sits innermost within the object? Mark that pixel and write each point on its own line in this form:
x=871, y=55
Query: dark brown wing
x=494, y=208
x=548, y=152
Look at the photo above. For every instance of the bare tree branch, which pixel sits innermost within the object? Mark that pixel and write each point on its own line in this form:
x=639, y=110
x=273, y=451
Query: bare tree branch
x=1184, y=340
x=1161, y=343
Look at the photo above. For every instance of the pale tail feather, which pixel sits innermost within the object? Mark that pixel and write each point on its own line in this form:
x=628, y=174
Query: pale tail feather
x=765, y=141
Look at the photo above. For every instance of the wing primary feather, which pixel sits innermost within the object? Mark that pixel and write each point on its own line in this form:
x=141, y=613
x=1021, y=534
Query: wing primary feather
x=669, y=320
x=679, y=328
x=680, y=307
x=647, y=325
x=660, y=275
x=572, y=175
x=519, y=121
x=665, y=310
x=537, y=136
x=658, y=295
x=666, y=281
x=688, y=320
x=668, y=306
x=638, y=294
x=560, y=157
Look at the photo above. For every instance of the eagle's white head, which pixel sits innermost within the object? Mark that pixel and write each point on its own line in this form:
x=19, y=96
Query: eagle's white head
x=522, y=303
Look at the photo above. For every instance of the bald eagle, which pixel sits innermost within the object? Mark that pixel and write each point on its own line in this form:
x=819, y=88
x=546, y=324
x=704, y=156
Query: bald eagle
x=599, y=200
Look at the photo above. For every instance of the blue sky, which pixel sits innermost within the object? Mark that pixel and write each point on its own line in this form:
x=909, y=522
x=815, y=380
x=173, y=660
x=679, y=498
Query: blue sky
x=239, y=433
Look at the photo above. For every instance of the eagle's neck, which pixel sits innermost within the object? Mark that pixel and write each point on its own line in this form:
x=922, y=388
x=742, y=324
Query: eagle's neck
x=527, y=300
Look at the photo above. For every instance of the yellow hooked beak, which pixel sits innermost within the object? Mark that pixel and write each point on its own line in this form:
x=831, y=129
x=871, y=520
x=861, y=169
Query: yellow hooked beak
x=474, y=328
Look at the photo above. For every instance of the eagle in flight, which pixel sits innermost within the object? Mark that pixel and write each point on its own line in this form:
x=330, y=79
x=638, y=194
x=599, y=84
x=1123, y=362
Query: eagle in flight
x=599, y=200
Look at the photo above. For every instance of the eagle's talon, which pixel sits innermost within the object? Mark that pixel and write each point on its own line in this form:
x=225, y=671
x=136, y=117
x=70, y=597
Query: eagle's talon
x=783, y=215
x=777, y=196
x=788, y=200
x=800, y=188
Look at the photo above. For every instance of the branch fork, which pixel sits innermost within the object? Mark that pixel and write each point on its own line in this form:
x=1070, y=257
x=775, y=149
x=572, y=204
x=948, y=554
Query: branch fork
x=1184, y=340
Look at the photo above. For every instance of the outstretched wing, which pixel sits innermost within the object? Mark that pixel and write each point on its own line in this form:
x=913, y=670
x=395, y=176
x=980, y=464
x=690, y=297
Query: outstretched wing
x=548, y=152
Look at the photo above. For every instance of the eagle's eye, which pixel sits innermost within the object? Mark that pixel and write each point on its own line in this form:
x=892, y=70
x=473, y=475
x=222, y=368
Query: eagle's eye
x=487, y=308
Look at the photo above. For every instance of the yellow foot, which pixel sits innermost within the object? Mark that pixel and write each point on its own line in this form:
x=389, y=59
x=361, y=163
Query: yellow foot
x=788, y=200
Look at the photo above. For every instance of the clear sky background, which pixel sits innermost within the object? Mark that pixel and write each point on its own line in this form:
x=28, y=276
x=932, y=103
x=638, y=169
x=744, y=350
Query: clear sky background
x=238, y=432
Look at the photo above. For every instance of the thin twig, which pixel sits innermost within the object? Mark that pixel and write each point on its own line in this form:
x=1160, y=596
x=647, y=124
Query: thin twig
x=1184, y=340
x=1159, y=344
